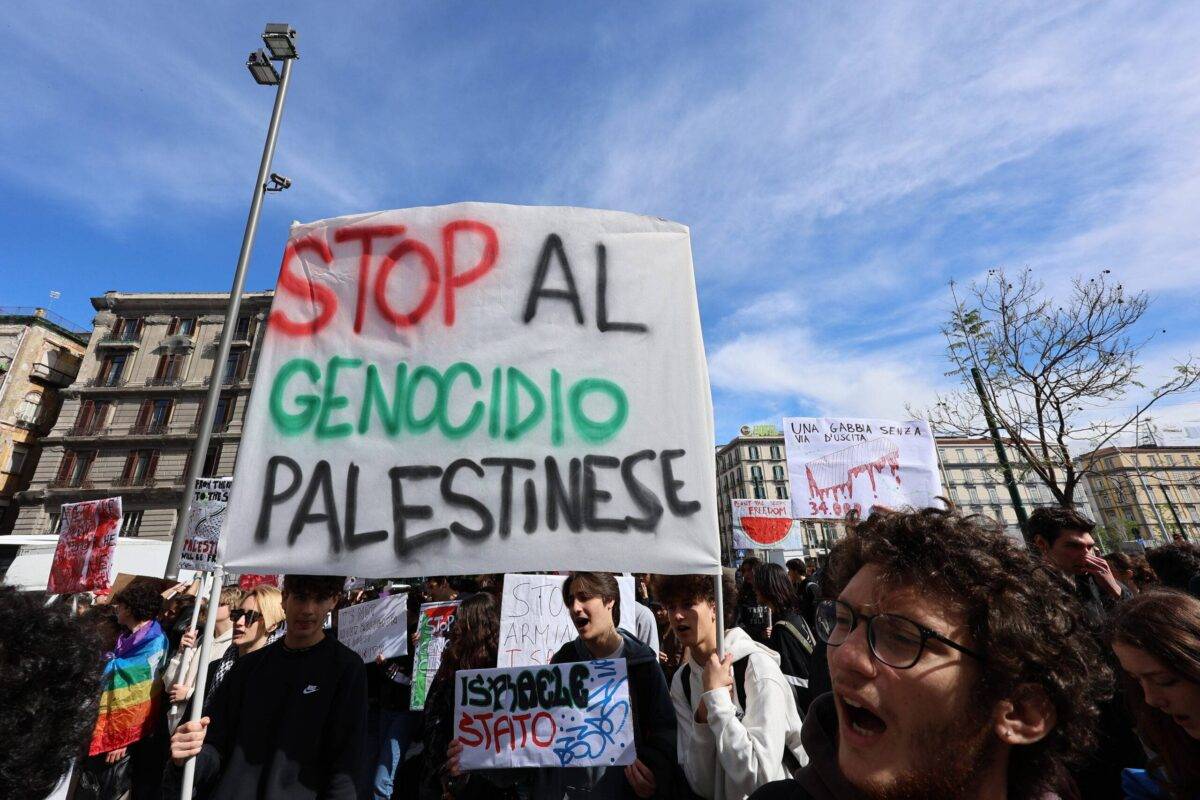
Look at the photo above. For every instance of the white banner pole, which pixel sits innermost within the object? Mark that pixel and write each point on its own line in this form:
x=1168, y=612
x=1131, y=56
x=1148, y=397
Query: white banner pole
x=720, y=614
x=210, y=623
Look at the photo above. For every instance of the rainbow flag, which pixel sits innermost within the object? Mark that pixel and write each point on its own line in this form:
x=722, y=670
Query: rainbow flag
x=131, y=689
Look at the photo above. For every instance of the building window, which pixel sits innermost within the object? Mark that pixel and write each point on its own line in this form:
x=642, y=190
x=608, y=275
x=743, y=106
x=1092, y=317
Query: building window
x=17, y=459
x=961, y=455
x=775, y=452
x=980, y=455
x=224, y=415
x=756, y=473
x=55, y=522
x=131, y=524
x=974, y=495
x=30, y=411
x=777, y=471
x=754, y=456
x=212, y=462
x=76, y=465
x=182, y=326
x=126, y=330
x=154, y=416
x=781, y=492
x=111, y=369
x=992, y=494
x=139, y=468
x=170, y=367
x=241, y=332
x=234, y=367
x=759, y=492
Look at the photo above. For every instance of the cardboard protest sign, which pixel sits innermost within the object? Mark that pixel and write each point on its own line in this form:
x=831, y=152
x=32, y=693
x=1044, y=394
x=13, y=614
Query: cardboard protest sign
x=534, y=622
x=206, y=517
x=433, y=628
x=764, y=525
x=556, y=715
x=479, y=388
x=839, y=465
x=376, y=627
x=84, y=560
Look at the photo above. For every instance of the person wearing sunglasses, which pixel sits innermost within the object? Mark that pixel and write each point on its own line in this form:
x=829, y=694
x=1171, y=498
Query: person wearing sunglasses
x=958, y=668
x=254, y=620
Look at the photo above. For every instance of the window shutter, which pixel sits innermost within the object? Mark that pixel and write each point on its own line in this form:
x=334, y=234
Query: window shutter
x=153, y=465
x=127, y=473
x=68, y=463
x=143, y=416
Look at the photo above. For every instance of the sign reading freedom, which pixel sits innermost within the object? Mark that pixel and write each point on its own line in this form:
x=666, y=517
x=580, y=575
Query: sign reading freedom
x=479, y=388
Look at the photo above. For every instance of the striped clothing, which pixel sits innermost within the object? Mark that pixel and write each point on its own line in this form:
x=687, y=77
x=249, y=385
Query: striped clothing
x=131, y=691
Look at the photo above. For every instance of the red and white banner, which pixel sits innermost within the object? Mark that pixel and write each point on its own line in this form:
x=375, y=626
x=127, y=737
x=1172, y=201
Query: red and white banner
x=84, y=560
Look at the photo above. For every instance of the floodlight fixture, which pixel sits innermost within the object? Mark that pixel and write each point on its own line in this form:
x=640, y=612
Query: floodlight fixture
x=260, y=66
x=277, y=183
x=280, y=39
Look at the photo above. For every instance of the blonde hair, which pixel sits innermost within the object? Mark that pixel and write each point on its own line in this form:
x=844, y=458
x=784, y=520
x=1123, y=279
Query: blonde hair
x=270, y=604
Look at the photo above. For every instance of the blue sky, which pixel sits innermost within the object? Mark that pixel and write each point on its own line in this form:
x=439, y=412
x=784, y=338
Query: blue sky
x=838, y=164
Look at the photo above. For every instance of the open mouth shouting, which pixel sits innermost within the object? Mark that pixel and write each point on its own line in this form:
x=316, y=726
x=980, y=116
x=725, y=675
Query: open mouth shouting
x=859, y=723
x=581, y=623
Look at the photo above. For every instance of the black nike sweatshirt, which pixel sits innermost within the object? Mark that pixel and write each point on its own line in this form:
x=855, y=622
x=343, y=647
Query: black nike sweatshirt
x=285, y=724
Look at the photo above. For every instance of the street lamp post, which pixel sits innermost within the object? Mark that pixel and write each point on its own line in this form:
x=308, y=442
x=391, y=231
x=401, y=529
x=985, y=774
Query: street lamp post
x=281, y=41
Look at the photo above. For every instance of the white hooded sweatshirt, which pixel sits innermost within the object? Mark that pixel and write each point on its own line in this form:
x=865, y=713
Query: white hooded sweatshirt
x=737, y=750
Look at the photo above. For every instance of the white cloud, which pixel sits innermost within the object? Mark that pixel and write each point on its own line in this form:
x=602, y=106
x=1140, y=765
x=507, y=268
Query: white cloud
x=792, y=366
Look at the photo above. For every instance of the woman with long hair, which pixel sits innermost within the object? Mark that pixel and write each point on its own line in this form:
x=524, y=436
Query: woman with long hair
x=473, y=640
x=1156, y=637
x=788, y=634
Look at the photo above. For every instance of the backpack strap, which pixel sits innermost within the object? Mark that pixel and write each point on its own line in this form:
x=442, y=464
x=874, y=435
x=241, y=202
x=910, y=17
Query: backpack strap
x=805, y=637
x=685, y=675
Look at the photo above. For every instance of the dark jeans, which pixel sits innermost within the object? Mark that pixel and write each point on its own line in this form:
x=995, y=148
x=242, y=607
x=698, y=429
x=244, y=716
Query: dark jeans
x=389, y=733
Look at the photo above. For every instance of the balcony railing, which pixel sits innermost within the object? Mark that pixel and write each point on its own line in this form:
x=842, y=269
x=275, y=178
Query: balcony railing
x=165, y=381
x=106, y=381
x=226, y=380
x=135, y=482
x=218, y=427
x=148, y=429
x=69, y=483
x=85, y=429
x=120, y=340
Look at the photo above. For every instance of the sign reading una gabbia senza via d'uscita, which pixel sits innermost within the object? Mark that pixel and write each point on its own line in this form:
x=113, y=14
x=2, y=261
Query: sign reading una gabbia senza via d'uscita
x=479, y=388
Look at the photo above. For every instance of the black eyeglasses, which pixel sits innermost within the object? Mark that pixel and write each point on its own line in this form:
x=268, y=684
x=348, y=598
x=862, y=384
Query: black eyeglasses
x=896, y=641
x=251, y=616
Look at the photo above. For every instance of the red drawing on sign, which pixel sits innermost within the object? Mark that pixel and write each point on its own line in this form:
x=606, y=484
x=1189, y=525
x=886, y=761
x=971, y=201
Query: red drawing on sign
x=766, y=530
x=834, y=474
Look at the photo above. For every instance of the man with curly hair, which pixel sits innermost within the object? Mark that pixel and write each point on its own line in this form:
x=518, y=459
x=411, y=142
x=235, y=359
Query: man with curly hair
x=290, y=719
x=958, y=665
x=50, y=665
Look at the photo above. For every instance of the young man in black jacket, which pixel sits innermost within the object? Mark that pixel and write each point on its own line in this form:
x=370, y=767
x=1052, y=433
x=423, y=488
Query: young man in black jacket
x=290, y=719
x=592, y=598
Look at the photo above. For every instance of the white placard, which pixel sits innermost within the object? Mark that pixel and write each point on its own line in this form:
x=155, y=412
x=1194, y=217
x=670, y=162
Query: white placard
x=206, y=518
x=765, y=525
x=479, y=388
x=556, y=715
x=376, y=627
x=534, y=623
x=836, y=465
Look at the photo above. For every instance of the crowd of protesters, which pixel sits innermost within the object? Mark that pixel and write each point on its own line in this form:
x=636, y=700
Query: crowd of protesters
x=928, y=656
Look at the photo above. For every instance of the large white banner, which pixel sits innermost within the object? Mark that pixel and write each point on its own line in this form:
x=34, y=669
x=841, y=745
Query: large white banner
x=534, y=621
x=479, y=388
x=206, y=517
x=765, y=525
x=836, y=465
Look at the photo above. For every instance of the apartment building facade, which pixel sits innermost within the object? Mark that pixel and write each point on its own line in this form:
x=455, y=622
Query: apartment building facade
x=1146, y=492
x=754, y=465
x=40, y=355
x=128, y=424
